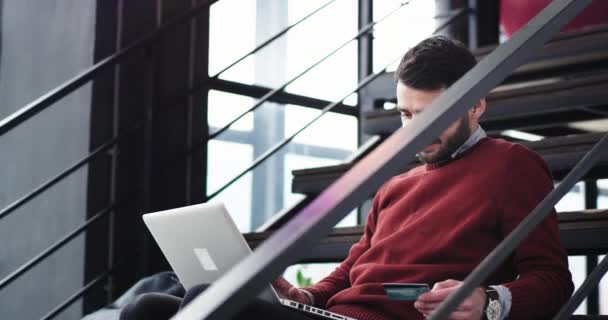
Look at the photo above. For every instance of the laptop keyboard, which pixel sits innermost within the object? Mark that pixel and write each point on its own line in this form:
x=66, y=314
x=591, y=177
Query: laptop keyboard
x=315, y=311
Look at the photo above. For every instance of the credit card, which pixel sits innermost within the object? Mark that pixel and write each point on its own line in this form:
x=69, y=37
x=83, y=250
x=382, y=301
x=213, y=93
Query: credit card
x=405, y=291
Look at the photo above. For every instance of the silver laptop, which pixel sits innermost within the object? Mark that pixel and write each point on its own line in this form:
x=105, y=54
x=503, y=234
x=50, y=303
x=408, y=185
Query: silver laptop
x=202, y=241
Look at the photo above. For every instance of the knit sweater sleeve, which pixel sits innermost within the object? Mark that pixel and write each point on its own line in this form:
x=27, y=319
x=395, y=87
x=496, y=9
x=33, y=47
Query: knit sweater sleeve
x=339, y=279
x=544, y=283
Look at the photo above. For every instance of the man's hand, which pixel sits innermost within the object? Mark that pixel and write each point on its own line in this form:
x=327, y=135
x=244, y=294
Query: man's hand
x=470, y=309
x=286, y=290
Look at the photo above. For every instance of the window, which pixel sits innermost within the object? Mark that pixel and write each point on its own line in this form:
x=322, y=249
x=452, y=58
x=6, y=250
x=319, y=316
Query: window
x=330, y=140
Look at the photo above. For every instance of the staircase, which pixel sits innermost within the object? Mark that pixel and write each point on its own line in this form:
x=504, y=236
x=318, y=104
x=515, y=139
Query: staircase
x=559, y=94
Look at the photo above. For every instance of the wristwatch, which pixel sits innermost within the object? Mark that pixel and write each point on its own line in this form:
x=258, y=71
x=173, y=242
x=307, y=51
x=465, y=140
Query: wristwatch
x=493, y=308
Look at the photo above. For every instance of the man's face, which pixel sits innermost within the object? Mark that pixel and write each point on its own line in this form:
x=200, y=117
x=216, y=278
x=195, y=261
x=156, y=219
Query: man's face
x=411, y=102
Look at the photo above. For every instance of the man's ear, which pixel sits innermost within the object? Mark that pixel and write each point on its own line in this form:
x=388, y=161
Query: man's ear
x=478, y=109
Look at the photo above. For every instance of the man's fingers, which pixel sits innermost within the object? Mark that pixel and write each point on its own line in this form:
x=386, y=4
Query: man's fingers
x=296, y=294
x=281, y=282
x=446, y=284
x=436, y=295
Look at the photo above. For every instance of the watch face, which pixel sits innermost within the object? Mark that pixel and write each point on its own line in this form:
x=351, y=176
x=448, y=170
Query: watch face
x=494, y=309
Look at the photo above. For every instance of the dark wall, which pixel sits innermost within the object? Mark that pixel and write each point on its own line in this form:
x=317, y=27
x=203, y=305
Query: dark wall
x=43, y=43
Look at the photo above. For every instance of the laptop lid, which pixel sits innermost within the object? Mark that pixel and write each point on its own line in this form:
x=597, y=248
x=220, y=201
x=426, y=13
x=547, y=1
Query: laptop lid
x=200, y=242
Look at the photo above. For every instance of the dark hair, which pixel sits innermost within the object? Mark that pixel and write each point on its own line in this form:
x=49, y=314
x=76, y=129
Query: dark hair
x=434, y=63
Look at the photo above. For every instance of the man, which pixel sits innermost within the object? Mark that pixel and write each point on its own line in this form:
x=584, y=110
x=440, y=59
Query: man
x=435, y=223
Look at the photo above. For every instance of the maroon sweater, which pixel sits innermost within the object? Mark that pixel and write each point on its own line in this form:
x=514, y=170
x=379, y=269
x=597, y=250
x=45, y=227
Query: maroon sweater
x=436, y=223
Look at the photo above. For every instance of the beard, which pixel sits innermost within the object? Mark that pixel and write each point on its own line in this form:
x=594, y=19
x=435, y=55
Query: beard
x=450, y=145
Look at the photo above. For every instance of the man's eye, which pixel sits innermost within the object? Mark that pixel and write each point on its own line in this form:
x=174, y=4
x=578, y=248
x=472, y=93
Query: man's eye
x=406, y=114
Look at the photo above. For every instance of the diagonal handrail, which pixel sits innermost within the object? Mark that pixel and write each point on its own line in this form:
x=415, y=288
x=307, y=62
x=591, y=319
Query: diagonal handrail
x=44, y=186
x=364, y=30
x=56, y=179
x=583, y=291
x=232, y=291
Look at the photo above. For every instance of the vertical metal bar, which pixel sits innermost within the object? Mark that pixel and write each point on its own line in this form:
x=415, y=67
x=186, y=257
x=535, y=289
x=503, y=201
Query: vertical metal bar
x=1, y=9
x=366, y=42
x=202, y=112
x=225, y=297
x=190, y=105
x=114, y=154
x=593, y=300
x=269, y=120
x=365, y=62
x=589, y=284
x=472, y=29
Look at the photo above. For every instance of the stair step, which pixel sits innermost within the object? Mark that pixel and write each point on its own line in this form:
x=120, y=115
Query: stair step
x=581, y=232
x=564, y=51
x=566, y=81
x=532, y=105
x=560, y=153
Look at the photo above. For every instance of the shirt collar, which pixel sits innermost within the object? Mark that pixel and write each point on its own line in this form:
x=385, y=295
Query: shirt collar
x=477, y=135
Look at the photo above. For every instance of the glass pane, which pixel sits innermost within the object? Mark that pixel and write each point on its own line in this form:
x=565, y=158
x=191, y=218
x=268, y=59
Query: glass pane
x=402, y=30
x=312, y=40
x=226, y=160
x=232, y=29
x=602, y=203
x=602, y=199
x=225, y=107
x=572, y=201
x=603, y=292
x=333, y=130
x=331, y=139
x=578, y=268
x=331, y=80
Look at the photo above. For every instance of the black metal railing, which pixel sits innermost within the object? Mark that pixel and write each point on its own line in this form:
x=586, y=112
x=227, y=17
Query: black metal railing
x=338, y=197
x=234, y=289
x=47, y=100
